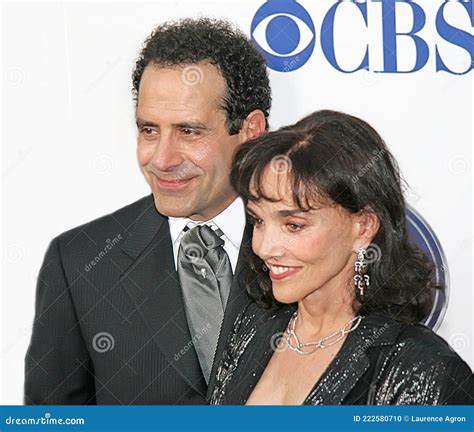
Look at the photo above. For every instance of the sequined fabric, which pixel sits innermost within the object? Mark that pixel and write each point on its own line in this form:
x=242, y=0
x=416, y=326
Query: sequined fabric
x=382, y=362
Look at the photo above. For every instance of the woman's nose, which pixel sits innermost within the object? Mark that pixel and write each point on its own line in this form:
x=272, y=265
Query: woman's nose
x=267, y=244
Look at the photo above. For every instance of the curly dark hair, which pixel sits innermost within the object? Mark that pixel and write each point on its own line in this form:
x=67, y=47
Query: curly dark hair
x=218, y=42
x=341, y=159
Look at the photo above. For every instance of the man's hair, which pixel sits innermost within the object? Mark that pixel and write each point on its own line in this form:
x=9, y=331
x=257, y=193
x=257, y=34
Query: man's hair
x=217, y=42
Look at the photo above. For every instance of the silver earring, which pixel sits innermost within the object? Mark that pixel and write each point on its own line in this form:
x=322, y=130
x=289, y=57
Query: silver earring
x=361, y=279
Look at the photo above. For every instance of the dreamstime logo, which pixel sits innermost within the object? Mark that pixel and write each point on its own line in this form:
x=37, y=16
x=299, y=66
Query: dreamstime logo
x=192, y=75
x=14, y=75
x=103, y=342
x=103, y=164
x=281, y=164
x=372, y=253
x=284, y=32
x=459, y=165
x=459, y=341
x=14, y=253
x=278, y=342
x=193, y=253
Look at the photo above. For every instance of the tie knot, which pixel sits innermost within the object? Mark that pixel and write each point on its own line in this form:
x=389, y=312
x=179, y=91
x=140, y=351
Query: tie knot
x=205, y=235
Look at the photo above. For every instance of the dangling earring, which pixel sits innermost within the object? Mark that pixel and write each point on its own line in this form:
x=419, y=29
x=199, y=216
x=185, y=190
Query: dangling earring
x=361, y=279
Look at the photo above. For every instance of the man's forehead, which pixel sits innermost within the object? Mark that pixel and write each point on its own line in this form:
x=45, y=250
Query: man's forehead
x=193, y=79
x=168, y=90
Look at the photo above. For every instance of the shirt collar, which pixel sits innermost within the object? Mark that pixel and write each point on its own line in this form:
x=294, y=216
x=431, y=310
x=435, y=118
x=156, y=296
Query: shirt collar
x=231, y=221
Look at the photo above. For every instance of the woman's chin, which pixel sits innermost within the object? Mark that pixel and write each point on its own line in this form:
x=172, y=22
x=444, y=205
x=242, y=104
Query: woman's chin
x=285, y=297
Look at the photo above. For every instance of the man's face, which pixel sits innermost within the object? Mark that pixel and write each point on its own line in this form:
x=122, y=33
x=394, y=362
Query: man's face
x=184, y=149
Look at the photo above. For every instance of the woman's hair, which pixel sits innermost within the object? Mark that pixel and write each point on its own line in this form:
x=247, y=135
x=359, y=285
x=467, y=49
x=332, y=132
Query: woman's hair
x=335, y=157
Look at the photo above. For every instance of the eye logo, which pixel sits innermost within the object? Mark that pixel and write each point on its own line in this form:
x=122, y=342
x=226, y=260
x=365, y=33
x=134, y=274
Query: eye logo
x=284, y=32
x=423, y=236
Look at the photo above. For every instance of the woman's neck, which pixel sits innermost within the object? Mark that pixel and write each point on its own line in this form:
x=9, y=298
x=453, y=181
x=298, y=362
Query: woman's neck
x=321, y=314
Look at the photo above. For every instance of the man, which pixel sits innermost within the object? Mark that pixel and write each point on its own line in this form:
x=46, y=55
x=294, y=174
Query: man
x=129, y=306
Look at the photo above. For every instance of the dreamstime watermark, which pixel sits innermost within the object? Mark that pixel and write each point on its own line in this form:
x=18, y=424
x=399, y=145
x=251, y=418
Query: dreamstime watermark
x=14, y=253
x=278, y=342
x=459, y=341
x=14, y=75
x=103, y=342
x=368, y=342
x=281, y=164
x=372, y=253
x=47, y=419
x=191, y=343
x=293, y=64
x=378, y=154
x=459, y=165
x=103, y=164
x=110, y=244
x=192, y=75
x=368, y=78
x=193, y=253
x=109, y=66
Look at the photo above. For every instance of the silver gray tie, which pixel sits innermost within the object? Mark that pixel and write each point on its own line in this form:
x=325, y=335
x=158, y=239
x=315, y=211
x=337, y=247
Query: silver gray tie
x=205, y=276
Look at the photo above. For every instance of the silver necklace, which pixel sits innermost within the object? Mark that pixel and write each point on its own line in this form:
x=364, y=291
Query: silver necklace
x=296, y=345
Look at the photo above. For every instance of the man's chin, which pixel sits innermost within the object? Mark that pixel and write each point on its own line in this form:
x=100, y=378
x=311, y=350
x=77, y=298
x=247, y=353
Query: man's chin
x=178, y=208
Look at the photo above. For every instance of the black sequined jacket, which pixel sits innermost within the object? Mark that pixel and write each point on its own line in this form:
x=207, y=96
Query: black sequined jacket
x=382, y=362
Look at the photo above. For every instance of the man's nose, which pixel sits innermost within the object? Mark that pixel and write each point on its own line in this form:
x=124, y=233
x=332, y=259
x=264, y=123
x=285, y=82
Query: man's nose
x=167, y=153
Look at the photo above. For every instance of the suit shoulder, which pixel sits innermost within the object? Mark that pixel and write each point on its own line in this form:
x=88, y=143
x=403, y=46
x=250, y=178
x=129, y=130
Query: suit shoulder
x=421, y=338
x=104, y=227
x=421, y=344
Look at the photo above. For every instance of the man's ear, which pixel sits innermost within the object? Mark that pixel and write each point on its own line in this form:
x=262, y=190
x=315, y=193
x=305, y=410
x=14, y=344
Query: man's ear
x=254, y=125
x=368, y=224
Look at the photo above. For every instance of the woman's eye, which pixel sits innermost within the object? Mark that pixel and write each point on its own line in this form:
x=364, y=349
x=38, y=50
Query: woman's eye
x=255, y=221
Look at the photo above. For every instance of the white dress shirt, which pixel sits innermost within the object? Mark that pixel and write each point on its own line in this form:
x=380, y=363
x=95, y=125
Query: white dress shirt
x=231, y=222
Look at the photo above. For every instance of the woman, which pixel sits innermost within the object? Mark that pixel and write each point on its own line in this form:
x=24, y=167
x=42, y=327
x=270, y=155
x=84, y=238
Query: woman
x=338, y=289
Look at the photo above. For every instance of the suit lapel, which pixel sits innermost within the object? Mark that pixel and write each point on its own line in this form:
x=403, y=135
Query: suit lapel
x=152, y=283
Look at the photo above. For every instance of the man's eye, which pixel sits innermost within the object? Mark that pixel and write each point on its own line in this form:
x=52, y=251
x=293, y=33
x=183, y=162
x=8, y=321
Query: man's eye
x=148, y=131
x=294, y=227
x=190, y=132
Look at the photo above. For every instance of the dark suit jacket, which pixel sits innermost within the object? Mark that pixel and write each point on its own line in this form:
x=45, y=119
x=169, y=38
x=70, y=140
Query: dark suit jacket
x=382, y=362
x=115, y=331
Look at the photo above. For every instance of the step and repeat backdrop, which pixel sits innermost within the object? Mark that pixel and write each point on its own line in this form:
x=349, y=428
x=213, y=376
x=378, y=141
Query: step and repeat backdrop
x=69, y=135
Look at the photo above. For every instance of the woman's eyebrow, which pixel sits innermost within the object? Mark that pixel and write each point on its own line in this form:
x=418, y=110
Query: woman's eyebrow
x=291, y=212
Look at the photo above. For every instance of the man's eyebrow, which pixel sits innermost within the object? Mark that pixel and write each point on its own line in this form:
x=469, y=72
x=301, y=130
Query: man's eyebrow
x=191, y=125
x=140, y=123
x=187, y=124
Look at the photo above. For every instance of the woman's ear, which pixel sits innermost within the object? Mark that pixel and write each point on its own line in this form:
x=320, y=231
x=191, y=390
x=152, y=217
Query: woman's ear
x=368, y=224
x=254, y=125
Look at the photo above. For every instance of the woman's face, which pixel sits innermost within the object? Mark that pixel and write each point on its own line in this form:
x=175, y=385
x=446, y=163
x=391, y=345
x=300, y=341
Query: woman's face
x=307, y=253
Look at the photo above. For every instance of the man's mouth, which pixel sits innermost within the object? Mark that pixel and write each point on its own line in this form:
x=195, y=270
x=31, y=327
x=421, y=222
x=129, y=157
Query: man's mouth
x=172, y=183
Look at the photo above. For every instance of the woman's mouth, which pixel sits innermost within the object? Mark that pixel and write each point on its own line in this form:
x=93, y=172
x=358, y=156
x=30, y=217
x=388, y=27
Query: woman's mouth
x=281, y=272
